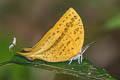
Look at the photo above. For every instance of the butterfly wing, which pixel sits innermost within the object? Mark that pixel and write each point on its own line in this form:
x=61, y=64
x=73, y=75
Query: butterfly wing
x=62, y=42
x=52, y=35
x=69, y=42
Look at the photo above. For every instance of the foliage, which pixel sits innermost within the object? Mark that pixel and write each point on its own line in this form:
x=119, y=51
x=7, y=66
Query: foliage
x=85, y=70
x=113, y=23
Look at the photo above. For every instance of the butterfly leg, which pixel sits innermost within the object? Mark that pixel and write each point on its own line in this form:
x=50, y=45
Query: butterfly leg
x=80, y=56
x=79, y=59
x=70, y=60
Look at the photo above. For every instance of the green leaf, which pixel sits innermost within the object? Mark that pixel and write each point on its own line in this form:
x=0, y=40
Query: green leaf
x=113, y=23
x=84, y=71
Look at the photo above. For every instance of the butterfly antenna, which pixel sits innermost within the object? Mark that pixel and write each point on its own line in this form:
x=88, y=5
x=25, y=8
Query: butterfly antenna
x=87, y=46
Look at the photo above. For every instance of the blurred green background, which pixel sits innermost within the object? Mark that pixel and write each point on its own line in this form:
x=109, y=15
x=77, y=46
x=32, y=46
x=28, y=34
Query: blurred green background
x=29, y=20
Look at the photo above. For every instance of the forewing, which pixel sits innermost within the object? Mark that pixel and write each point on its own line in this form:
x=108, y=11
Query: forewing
x=53, y=34
x=69, y=42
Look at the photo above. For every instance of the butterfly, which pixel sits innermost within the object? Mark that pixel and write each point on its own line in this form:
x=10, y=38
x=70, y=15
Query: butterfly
x=63, y=42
